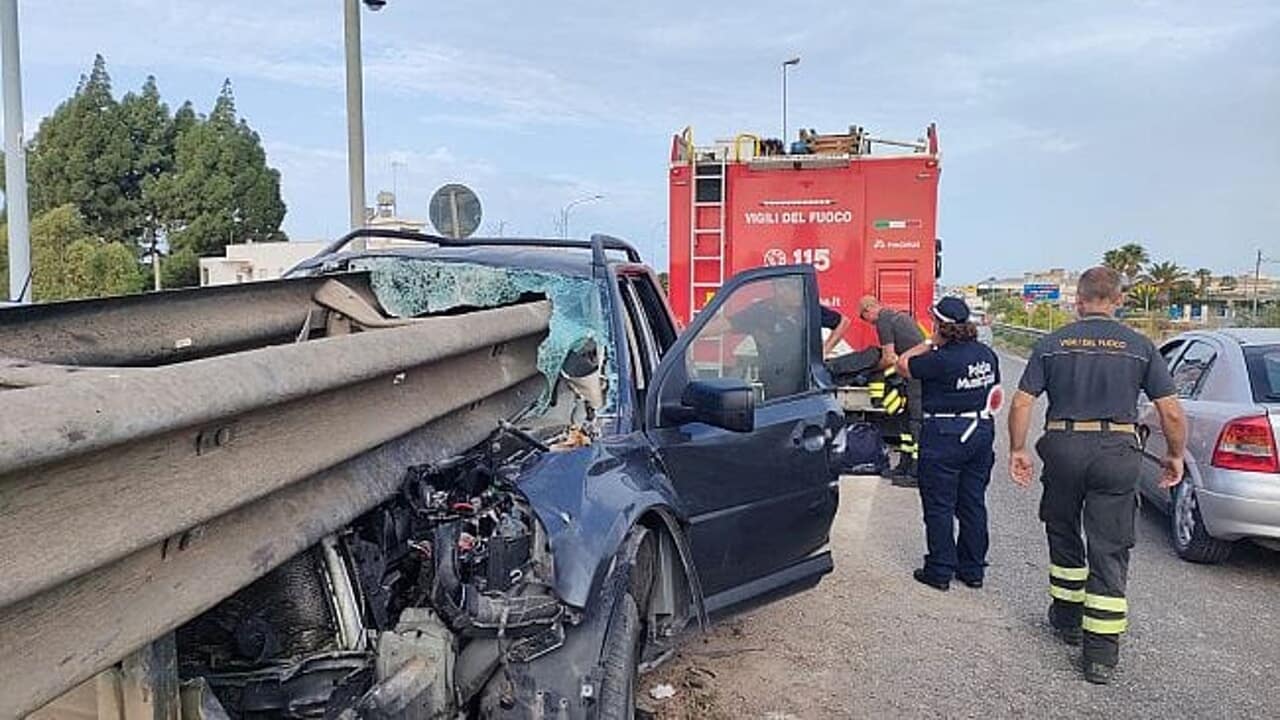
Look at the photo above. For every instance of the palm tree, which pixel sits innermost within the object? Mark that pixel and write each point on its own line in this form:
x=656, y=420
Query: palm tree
x=1128, y=259
x=1203, y=277
x=1142, y=293
x=1164, y=277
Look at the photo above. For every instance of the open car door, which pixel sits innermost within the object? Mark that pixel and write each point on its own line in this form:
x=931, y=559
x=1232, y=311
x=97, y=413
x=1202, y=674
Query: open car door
x=744, y=426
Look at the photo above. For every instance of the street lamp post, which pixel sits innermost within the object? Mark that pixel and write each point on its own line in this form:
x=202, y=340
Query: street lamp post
x=355, y=112
x=15, y=168
x=786, y=64
x=564, y=212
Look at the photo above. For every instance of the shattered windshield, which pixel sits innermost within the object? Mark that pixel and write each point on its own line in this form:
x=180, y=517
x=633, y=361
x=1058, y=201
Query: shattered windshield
x=410, y=287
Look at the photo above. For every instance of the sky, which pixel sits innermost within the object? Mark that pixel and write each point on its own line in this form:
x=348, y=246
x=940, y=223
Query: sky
x=1066, y=128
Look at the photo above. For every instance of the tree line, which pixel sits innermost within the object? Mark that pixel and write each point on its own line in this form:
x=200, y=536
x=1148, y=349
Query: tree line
x=117, y=184
x=1153, y=286
x=1160, y=284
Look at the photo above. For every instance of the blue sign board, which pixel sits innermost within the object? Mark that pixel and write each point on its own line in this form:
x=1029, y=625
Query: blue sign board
x=1041, y=292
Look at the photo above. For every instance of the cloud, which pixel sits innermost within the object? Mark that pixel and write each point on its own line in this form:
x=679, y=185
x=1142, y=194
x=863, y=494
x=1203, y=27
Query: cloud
x=314, y=181
x=966, y=141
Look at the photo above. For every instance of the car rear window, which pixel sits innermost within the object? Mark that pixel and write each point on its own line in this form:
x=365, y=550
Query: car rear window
x=1263, y=362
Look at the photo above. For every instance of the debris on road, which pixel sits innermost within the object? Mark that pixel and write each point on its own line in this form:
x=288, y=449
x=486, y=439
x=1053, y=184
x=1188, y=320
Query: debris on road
x=662, y=691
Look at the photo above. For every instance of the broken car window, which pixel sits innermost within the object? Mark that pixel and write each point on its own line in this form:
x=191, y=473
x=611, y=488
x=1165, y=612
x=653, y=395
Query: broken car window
x=410, y=287
x=759, y=334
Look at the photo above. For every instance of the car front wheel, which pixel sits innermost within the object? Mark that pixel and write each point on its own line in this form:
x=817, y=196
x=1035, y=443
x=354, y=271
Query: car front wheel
x=619, y=661
x=1190, y=537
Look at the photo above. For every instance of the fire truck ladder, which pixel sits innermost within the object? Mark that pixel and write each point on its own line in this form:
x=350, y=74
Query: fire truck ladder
x=707, y=244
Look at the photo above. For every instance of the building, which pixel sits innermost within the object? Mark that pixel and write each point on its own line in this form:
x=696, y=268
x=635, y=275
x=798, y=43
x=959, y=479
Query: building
x=1221, y=301
x=256, y=261
x=266, y=261
x=1064, y=280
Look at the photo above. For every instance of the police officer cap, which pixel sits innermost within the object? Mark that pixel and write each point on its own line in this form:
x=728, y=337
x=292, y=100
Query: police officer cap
x=951, y=310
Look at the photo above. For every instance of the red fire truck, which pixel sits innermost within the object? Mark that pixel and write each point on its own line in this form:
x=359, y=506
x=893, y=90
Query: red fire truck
x=867, y=222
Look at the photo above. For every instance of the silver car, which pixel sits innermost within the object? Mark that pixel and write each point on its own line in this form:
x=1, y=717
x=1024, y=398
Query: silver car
x=1229, y=383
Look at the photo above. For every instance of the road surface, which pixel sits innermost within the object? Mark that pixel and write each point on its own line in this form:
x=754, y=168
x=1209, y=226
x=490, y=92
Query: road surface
x=1204, y=641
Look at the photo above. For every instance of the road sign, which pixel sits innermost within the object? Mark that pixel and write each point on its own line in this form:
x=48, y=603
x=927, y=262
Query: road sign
x=1041, y=292
x=455, y=211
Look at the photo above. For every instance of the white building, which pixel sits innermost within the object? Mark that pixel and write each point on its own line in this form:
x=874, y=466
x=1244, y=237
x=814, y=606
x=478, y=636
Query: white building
x=256, y=261
x=267, y=261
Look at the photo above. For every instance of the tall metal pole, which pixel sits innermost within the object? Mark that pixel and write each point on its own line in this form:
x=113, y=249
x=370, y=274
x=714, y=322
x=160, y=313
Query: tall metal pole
x=1257, y=277
x=564, y=212
x=786, y=64
x=355, y=118
x=15, y=155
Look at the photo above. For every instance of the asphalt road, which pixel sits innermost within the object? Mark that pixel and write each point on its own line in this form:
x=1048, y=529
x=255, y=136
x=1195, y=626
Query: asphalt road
x=1204, y=641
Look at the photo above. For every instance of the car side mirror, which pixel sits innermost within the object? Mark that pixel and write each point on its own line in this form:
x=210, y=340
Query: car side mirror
x=726, y=403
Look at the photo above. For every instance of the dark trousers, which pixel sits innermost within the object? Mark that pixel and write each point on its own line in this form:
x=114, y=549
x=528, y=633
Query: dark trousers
x=953, y=486
x=1090, y=482
x=915, y=420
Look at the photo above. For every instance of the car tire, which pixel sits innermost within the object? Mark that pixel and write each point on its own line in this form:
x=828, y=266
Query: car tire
x=620, y=654
x=1191, y=539
x=619, y=661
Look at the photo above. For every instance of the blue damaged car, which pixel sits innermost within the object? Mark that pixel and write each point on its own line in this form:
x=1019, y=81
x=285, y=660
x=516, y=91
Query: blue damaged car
x=656, y=481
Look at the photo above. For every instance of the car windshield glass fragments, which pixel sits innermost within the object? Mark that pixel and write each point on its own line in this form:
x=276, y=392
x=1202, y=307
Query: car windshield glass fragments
x=409, y=287
x=1264, y=372
x=758, y=335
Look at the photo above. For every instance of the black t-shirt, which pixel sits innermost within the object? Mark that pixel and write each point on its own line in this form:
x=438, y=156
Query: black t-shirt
x=780, y=346
x=956, y=377
x=1093, y=370
x=898, y=329
x=830, y=318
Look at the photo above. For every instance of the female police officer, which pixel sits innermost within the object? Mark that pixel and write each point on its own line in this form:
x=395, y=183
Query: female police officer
x=960, y=378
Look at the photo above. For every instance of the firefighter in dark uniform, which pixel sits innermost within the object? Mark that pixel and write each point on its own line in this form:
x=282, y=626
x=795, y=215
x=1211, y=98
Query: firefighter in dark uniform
x=898, y=332
x=960, y=380
x=1092, y=371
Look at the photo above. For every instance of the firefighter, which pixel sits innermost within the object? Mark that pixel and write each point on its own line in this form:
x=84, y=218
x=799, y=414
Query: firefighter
x=898, y=333
x=1092, y=370
x=835, y=322
x=960, y=381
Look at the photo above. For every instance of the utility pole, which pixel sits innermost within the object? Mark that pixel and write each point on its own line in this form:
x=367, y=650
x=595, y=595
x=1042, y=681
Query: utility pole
x=1257, y=277
x=395, y=186
x=355, y=119
x=155, y=260
x=15, y=155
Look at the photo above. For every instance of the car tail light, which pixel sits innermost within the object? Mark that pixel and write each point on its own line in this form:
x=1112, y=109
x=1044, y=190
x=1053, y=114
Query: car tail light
x=1247, y=444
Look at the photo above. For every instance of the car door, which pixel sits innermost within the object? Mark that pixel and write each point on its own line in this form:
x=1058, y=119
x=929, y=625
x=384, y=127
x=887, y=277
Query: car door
x=760, y=502
x=1192, y=362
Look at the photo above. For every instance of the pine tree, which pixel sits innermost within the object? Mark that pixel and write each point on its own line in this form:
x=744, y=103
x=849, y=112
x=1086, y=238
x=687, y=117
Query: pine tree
x=221, y=190
x=151, y=135
x=184, y=119
x=82, y=155
x=130, y=173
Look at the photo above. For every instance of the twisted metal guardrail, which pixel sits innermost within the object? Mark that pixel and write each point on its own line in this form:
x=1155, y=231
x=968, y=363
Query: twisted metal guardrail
x=139, y=490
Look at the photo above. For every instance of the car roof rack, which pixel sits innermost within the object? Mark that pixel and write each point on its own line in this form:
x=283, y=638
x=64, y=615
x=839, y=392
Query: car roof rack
x=598, y=244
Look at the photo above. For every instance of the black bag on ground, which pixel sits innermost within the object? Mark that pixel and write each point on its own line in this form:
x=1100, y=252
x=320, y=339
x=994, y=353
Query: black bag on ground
x=864, y=451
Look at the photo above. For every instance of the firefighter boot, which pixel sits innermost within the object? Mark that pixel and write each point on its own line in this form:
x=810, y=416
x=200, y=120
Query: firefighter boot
x=1069, y=634
x=1098, y=673
x=904, y=474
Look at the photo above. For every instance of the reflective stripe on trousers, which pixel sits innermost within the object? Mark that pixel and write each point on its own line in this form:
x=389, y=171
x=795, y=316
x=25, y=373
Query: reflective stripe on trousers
x=1066, y=584
x=908, y=446
x=1105, y=615
x=1102, y=614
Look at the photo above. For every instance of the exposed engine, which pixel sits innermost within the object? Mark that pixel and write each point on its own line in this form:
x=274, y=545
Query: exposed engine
x=450, y=579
